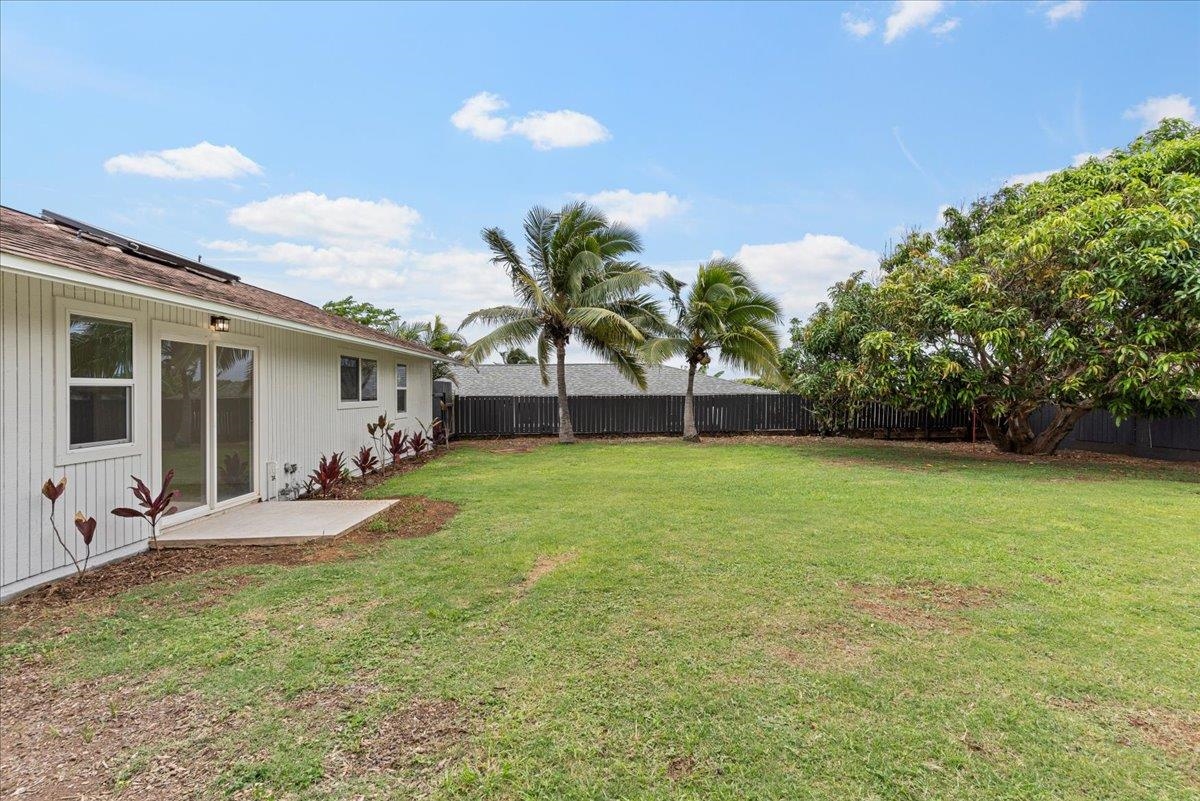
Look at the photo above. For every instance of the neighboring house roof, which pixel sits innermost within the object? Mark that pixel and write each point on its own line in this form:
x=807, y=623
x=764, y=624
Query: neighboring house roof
x=47, y=241
x=589, y=379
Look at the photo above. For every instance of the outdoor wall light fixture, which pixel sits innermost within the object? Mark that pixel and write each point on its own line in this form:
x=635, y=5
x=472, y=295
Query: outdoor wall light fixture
x=219, y=323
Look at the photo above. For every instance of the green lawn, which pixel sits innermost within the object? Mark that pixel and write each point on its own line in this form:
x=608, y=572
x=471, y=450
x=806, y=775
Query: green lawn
x=725, y=621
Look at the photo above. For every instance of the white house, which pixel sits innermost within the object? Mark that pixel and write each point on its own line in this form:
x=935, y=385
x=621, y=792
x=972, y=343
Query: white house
x=122, y=359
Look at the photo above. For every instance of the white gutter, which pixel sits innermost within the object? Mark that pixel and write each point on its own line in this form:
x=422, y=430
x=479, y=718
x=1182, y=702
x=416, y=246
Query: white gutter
x=16, y=263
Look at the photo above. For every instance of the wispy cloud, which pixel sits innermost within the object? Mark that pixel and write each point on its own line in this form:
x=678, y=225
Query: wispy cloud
x=945, y=27
x=1067, y=10
x=204, y=160
x=546, y=130
x=910, y=15
x=913, y=160
x=860, y=27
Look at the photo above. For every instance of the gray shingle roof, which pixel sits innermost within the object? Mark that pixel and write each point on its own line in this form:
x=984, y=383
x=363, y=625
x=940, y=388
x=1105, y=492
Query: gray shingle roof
x=589, y=379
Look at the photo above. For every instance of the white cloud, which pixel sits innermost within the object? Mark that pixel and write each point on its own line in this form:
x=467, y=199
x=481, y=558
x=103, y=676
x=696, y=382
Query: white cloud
x=451, y=282
x=909, y=15
x=204, y=160
x=343, y=220
x=551, y=129
x=1077, y=160
x=1156, y=109
x=638, y=209
x=1069, y=9
x=1028, y=177
x=945, y=27
x=547, y=130
x=477, y=117
x=1083, y=158
x=860, y=27
x=800, y=273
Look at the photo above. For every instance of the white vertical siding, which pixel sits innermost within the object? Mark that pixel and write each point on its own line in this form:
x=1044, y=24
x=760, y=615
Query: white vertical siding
x=299, y=419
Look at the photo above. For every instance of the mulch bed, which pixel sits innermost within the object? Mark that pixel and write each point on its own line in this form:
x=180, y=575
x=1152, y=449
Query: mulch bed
x=407, y=518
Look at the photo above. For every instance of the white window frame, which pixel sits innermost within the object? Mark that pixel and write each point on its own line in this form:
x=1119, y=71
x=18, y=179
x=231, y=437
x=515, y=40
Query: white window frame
x=357, y=404
x=407, y=368
x=65, y=454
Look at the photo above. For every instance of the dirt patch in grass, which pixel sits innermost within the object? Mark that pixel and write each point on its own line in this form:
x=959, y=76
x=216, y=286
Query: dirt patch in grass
x=680, y=767
x=93, y=740
x=419, y=739
x=924, y=605
x=407, y=518
x=824, y=647
x=1176, y=734
x=542, y=566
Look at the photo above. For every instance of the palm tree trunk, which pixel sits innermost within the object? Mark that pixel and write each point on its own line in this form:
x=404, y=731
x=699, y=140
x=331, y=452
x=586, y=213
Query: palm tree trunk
x=566, y=432
x=690, y=434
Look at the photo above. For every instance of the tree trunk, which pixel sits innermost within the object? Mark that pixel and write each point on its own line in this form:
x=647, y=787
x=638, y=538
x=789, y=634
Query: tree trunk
x=690, y=434
x=1016, y=435
x=566, y=432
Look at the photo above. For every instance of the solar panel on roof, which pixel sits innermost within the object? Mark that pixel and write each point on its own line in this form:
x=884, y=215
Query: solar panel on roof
x=140, y=249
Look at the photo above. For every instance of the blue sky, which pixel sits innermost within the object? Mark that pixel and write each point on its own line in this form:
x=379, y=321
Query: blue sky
x=342, y=156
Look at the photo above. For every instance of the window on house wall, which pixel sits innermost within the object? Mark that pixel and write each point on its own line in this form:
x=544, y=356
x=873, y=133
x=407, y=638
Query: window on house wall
x=401, y=388
x=359, y=379
x=99, y=381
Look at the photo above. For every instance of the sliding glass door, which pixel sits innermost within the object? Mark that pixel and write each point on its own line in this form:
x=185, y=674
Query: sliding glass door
x=235, y=422
x=184, y=420
x=206, y=423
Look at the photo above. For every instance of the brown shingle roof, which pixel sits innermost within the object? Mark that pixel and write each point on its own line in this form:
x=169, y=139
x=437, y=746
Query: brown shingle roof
x=30, y=236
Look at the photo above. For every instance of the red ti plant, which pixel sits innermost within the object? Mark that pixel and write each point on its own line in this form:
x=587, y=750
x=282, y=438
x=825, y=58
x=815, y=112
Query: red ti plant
x=397, y=442
x=379, y=431
x=418, y=442
x=153, y=508
x=328, y=473
x=366, y=461
x=86, y=526
x=52, y=493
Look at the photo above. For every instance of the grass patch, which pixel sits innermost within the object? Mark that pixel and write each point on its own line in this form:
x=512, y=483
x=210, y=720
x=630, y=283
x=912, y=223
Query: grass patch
x=656, y=620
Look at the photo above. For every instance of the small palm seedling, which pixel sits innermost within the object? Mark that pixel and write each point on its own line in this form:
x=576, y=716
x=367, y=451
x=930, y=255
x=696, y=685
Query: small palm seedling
x=154, y=508
x=328, y=473
x=366, y=461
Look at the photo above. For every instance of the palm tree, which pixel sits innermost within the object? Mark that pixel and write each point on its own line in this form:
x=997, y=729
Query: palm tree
x=516, y=356
x=578, y=282
x=436, y=335
x=723, y=311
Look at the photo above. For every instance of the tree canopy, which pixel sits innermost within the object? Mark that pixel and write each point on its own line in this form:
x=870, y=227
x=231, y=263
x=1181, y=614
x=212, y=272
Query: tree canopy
x=1081, y=291
x=364, y=313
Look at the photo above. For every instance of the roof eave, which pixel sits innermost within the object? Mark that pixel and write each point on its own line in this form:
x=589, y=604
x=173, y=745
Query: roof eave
x=40, y=268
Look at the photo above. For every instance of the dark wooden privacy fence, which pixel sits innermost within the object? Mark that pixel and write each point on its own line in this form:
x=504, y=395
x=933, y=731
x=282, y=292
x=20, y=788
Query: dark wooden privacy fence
x=663, y=414
x=1176, y=438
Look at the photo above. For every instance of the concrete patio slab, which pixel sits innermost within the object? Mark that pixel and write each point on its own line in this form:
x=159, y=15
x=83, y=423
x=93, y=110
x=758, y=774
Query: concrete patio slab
x=274, y=523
